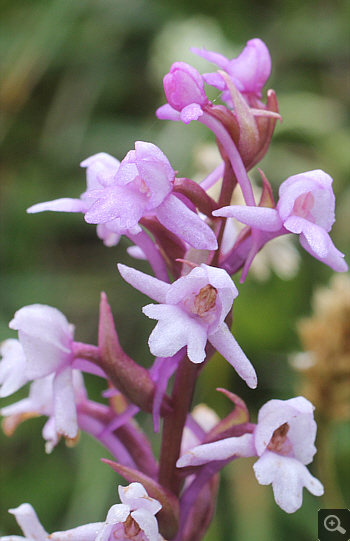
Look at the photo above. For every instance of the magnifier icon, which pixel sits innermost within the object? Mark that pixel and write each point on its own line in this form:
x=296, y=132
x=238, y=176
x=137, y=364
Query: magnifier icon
x=332, y=524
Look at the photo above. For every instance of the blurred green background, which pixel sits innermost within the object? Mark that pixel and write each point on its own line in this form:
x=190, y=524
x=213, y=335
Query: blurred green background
x=85, y=76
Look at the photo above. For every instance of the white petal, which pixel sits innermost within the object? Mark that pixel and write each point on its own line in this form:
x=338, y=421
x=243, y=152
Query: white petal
x=242, y=446
x=288, y=477
x=147, y=522
x=175, y=330
x=136, y=497
x=226, y=344
x=65, y=410
x=154, y=288
x=29, y=522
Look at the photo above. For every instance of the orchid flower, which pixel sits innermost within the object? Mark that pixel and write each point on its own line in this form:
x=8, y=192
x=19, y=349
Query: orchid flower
x=143, y=186
x=184, y=90
x=249, y=71
x=100, y=168
x=45, y=347
x=305, y=207
x=132, y=519
x=192, y=310
x=283, y=439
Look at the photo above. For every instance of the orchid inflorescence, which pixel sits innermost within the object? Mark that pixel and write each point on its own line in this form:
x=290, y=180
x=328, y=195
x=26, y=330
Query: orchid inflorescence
x=182, y=232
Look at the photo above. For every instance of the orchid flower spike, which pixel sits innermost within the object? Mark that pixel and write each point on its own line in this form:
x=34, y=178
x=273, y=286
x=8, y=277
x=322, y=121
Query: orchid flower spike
x=305, y=207
x=132, y=519
x=45, y=347
x=249, y=71
x=192, y=310
x=184, y=90
x=283, y=440
x=100, y=169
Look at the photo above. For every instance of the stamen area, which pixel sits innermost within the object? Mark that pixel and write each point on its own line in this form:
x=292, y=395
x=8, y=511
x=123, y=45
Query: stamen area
x=278, y=440
x=203, y=304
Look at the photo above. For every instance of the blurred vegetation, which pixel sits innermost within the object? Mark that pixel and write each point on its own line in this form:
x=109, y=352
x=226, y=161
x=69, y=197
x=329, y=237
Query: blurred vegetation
x=84, y=76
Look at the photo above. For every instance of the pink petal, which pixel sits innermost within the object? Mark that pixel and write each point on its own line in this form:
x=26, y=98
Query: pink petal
x=263, y=218
x=187, y=225
x=334, y=258
x=166, y=112
x=191, y=112
x=65, y=204
x=316, y=237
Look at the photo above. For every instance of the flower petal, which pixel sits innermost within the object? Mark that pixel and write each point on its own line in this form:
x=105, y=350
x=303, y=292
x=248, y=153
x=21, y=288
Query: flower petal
x=175, y=330
x=242, y=446
x=263, y=218
x=65, y=410
x=288, y=477
x=64, y=204
x=187, y=225
x=147, y=522
x=226, y=344
x=29, y=522
x=150, y=286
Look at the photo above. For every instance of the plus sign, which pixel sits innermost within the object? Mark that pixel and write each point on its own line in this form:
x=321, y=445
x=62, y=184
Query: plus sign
x=332, y=522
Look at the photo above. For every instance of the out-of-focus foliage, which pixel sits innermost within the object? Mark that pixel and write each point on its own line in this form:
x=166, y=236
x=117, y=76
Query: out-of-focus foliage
x=84, y=76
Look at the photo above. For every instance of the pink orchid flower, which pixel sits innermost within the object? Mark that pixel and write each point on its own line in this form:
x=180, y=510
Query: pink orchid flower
x=143, y=186
x=192, y=310
x=45, y=348
x=305, y=207
x=249, y=71
x=283, y=440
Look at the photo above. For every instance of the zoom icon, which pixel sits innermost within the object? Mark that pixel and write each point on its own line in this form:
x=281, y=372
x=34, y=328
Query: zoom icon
x=333, y=525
